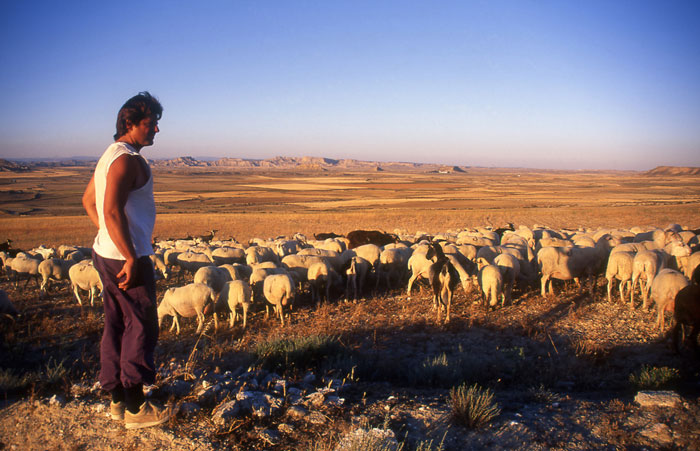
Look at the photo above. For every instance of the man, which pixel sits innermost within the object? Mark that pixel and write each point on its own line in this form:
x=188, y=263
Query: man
x=119, y=201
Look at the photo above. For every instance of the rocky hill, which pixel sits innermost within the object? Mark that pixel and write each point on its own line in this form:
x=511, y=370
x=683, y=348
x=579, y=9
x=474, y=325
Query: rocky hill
x=674, y=170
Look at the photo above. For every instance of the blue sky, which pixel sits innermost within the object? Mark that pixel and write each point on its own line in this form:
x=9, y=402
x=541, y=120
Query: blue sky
x=544, y=84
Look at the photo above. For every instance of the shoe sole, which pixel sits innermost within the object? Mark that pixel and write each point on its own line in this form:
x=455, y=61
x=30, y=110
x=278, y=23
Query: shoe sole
x=146, y=425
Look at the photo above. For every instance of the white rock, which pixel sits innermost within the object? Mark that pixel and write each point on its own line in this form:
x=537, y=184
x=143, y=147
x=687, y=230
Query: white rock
x=662, y=398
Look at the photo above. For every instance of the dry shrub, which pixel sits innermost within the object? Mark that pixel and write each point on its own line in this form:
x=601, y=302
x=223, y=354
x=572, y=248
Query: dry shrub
x=654, y=377
x=473, y=406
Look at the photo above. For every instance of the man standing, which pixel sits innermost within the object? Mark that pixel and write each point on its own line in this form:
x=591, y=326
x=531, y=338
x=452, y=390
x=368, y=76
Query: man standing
x=119, y=201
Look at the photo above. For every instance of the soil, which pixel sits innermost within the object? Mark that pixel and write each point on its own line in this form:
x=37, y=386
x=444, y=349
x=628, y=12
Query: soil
x=559, y=368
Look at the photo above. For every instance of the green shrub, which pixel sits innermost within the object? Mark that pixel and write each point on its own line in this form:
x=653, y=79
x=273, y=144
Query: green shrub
x=473, y=406
x=654, y=377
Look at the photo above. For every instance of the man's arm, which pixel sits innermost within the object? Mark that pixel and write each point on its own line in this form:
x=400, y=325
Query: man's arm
x=90, y=203
x=120, y=182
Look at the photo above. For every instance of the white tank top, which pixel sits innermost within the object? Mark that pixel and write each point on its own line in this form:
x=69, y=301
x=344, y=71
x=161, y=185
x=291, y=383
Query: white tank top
x=140, y=207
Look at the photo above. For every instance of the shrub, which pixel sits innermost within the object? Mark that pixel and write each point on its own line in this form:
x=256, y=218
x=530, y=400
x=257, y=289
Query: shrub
x=299, y=353
x=654, y=377
x=473, y=406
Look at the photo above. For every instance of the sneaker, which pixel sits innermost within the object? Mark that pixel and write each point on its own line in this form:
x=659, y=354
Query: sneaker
x=148, y=415
x=116, y=410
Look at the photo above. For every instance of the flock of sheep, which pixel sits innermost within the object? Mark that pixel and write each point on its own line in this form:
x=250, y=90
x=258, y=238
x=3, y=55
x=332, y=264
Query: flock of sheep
x=228, y=276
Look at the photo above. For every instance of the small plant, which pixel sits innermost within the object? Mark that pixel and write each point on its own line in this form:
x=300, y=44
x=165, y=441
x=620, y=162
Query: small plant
x=11, y=381
x=54, y=372
x=473, y=406
x=654, y=377
x=542, y=394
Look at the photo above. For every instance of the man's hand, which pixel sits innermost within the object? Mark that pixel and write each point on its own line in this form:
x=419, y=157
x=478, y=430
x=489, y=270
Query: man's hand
x=129, y=273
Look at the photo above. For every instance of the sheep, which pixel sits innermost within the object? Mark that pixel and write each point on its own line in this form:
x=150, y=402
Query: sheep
x=53, y=269
x=23, y=266
x=278, y=289
x=443, y=278
x=687, y=313
x=645, y=265
x=620, y=266
x=6, y=306
x=228, y=255
x=691, y=263
x=392, y=263
x=193, y=299
x=300, y=264
x=510, y=270
x=237, y=271
x=321, y=276
x=356, y=273
x=213, y=277
x=84, y=276
x=233, y=294
x=490, y=280
x=191, y=262
x=45, y=252
x=159, y=265
x=419, y=264
x=664, y=288
x=357, y=238
x=572, y=263
x=258, y=254
x=370, y=252
x=258, y=276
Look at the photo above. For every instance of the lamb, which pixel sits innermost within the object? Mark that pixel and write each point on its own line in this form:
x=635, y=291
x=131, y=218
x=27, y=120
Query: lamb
x=278, y=289
x=620, y=266
x=84, y=276
x=53, y=269
x=6, y=306
x=356, y=273
x=233, y=294
x=213, y=277
x=664, y=289
x=194, y=299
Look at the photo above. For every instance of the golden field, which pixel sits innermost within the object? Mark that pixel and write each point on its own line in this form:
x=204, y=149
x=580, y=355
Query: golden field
x=43, y=205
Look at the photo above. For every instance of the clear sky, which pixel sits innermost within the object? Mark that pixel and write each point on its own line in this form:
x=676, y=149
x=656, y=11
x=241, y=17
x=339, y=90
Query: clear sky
x=545, y=84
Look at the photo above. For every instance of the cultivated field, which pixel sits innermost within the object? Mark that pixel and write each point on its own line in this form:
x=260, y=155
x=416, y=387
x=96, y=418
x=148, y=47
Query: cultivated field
x=564, y=369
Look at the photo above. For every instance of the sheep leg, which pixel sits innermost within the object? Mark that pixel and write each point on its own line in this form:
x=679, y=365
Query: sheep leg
x=92, y=296
x=245, y=314
x=231, y=319
x=634, y=287
x=410, y=284
x=281, y=314
x=622, y=290
x=77, y=295
x=543, y=283
x=609, y=287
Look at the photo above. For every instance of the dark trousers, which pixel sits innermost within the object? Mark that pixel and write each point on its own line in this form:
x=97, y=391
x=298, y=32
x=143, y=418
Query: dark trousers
x=131, y=326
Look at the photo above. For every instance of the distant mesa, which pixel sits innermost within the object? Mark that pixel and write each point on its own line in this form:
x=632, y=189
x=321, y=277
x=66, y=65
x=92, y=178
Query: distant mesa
x=11, y=166
x=674, y=170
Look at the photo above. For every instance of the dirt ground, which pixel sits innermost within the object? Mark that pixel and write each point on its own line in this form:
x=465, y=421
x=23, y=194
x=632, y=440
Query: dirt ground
x=559, y=368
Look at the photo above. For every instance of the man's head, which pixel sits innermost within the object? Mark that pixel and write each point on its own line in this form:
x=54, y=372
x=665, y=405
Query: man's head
x=137, y=109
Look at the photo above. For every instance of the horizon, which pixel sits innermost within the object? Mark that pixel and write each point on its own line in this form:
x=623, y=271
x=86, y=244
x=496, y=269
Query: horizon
x=551, y=85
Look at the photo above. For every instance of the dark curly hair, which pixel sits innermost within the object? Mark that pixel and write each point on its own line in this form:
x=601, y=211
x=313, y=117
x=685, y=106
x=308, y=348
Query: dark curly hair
x=135, y=110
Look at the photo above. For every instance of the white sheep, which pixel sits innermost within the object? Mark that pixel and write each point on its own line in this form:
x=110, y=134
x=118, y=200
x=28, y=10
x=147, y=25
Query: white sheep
x=278, y=289
x=321, y=276
x=159, y=265
x=213, y=277
x=84, y=276
x=356, y=273
x=664, y=288
x=233, y=294
x=258, y=254
x=621, y=267
x=393, y=263
x=54, y=269
x=194, y=299
x=510, y=269
x=25, y=266
x=228, y=255
x=490, y=280
x=645, y=265
x=691, y=263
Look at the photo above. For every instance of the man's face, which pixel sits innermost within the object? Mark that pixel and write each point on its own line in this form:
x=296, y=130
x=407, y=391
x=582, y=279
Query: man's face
x=144, y=132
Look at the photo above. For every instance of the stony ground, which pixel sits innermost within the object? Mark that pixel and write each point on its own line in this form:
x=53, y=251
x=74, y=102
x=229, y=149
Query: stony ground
x=559, y=368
